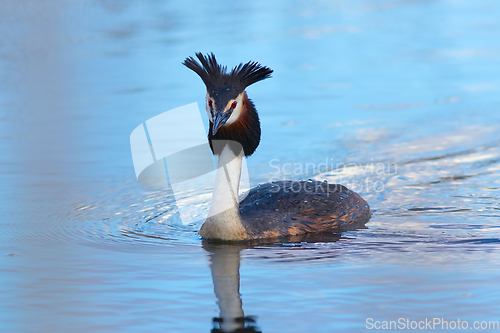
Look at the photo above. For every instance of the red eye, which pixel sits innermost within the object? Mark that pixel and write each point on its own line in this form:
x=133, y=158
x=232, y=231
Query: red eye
x=210, y=103
x=234, y=105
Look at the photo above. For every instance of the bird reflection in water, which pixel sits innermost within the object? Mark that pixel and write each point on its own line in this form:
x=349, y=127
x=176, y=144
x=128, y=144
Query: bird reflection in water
x=225, y=268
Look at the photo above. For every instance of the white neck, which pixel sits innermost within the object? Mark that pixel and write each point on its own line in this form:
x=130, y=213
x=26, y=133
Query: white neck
x=227, y=182
x=224, y=220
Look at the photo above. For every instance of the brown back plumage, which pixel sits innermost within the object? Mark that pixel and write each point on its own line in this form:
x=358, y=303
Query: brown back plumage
x=286, y=208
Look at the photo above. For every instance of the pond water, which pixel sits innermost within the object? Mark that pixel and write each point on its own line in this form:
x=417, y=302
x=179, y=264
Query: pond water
x=397, y=99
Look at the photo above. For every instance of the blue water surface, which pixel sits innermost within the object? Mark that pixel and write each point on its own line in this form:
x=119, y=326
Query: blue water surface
x=399, y=100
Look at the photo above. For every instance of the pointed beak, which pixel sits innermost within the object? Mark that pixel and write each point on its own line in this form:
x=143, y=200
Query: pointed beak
x=219, y=119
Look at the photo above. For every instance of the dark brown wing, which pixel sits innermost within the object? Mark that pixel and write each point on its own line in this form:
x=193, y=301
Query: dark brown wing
x=292, y=208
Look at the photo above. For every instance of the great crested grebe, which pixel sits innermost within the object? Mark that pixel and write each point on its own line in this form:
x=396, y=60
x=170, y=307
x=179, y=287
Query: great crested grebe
x=283, y=208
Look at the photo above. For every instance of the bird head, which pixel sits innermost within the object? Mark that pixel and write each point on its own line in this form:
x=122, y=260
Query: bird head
x=226, y=97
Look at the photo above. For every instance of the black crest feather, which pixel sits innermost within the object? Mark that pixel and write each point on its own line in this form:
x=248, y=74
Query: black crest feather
x=216, y=77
